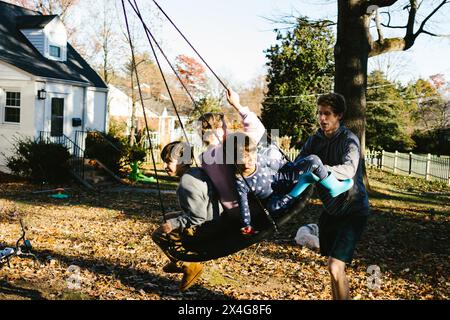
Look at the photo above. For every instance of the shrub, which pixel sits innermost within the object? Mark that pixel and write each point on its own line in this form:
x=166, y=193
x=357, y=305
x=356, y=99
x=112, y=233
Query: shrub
x=135, y=153
x=106, y=148
x=40, y=161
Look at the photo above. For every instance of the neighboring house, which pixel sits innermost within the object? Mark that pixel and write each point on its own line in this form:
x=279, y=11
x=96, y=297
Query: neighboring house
x=167, y=123
x=45, y=85
x=161, y=119
x=120, y=107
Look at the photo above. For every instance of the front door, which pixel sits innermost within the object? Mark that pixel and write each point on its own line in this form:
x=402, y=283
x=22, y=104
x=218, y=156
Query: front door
x=57, y=123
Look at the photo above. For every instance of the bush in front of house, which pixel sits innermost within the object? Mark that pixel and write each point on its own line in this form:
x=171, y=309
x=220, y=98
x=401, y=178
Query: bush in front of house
x=40, y=161
x=136, y=153
x=106, y=148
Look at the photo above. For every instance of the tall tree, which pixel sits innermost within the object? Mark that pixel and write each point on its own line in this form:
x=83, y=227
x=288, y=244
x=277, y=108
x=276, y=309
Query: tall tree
x=388, y=117
x=355, y=45
x=432, y=108
x=299, y=67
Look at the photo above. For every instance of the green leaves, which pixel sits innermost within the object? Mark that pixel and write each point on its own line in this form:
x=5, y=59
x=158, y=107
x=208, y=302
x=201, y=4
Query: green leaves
x=300, y=65
x=388, y=117
x=40, y=161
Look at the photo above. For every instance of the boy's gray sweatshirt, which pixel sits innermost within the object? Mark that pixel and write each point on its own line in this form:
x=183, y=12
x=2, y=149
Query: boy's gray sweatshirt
x=341, y=155
x=197, y=199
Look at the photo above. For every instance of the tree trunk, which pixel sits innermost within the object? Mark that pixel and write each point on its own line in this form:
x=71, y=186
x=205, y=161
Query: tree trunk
x=351, y=55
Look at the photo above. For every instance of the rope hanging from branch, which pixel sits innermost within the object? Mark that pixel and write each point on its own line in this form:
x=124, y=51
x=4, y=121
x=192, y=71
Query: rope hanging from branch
x=143, y=109
x=150, y=37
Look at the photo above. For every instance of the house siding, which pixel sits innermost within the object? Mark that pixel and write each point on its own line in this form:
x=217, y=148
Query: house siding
x=96, y=110
x=13, y=80
x=36, y=37
x=56, y=34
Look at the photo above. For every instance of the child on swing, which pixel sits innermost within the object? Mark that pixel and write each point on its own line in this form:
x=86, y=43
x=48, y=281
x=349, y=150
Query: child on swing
x=275, y=182
x=213, y=131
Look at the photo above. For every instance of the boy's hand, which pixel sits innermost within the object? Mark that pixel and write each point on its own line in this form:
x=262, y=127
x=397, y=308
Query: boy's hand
x=233, y=98
x=248, y=231
x=166, y=227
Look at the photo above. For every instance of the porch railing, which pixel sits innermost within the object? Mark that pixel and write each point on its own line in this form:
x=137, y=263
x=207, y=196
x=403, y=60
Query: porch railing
x=76, y=162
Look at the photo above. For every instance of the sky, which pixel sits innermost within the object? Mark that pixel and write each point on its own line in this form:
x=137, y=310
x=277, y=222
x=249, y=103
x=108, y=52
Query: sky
x=232, y=35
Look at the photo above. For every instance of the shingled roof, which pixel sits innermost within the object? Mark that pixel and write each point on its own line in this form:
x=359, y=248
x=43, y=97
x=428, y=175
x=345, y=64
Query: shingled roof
x=15, y=49
x=33, y=22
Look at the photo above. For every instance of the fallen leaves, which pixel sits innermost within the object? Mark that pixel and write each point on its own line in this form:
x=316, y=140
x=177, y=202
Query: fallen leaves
x=108, y=237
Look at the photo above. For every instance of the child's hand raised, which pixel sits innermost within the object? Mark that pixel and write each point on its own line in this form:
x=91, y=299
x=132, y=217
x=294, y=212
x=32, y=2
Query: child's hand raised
x=233, y=98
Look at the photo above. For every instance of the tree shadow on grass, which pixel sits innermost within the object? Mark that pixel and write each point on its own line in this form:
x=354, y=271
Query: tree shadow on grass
x=392, y=240
x=139, y=206
x=140, y=280
x=8, y=289
x=417, y=198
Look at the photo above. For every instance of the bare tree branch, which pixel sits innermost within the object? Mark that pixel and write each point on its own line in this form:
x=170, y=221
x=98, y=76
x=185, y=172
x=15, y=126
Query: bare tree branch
x=436, y=35
x=411, y=20
x=422, y=25
x=377, y=22
x=401, y=44
x=388, y=25
x=393, y=27
x=380, y=3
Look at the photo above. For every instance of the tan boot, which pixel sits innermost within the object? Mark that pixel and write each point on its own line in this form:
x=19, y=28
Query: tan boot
x=173, y=267
x=191, y=273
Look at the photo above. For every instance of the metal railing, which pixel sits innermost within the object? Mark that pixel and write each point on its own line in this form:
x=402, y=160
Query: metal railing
x=80, y=137
x=76, y=162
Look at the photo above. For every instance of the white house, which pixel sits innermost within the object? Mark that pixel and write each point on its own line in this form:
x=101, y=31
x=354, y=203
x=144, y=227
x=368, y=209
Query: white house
x=46, y=87
x=120, y=107
x=161, y=118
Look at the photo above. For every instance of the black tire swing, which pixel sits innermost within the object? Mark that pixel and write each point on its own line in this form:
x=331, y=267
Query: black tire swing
x=220, y=237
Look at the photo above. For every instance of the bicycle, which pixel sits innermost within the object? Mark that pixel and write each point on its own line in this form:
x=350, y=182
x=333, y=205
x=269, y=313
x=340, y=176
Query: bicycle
x=22, y=249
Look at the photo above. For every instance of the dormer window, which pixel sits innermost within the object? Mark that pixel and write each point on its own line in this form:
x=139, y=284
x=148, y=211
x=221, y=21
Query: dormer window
x=47, y=34
x=55, y=51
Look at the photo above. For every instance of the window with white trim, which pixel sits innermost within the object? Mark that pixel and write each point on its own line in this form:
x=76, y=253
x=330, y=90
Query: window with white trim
x=55, y=51
x=12, y=107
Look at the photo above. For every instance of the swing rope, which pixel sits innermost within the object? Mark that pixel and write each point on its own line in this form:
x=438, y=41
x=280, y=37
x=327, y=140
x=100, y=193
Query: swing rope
x=148, y=33
x=187, y=41
x=210, y=69
x=163, y=77
x=143, y=109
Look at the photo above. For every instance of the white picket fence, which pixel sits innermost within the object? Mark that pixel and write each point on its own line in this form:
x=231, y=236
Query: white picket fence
x=429, y=166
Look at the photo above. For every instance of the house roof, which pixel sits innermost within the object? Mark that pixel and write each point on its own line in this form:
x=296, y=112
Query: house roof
x=33, y=22
x=16, y=50
x=158, y=107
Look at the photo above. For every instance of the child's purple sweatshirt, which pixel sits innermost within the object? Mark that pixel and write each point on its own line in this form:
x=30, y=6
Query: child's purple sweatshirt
x=222, y=176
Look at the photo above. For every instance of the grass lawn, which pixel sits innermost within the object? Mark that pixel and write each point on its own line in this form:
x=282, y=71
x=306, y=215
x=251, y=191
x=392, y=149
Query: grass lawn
x=105, y=237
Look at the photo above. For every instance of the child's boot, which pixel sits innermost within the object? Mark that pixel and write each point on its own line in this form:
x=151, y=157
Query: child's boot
x=334, y=186
x=191, y=273
x=303, y=182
